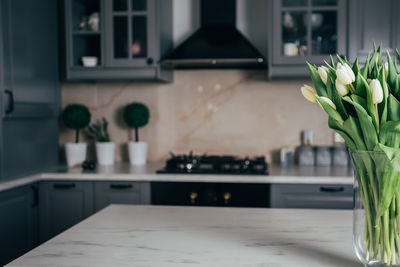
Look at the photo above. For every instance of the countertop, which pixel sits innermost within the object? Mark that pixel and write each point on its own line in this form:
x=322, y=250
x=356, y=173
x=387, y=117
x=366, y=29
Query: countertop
x=124, y=235
x=126, y=172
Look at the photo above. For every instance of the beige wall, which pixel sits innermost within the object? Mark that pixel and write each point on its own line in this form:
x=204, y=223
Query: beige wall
x=207, y=111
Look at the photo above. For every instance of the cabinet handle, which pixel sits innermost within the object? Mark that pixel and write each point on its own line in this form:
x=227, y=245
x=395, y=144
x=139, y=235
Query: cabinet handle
x=11, y=101
x=331, y=189
x=120, y=186
x=64, y=186
x=35, y=196
x=150, y=61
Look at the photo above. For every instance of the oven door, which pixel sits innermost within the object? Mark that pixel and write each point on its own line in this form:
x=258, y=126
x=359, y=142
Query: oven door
x=210, y=194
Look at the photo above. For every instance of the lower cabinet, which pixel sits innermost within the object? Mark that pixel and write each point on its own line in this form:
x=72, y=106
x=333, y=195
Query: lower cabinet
x=311, y=196
x=106, y=193
x=62, y=205
x=18, y=222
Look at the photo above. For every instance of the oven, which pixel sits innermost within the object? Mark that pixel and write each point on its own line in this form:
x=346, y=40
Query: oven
x=210, y=194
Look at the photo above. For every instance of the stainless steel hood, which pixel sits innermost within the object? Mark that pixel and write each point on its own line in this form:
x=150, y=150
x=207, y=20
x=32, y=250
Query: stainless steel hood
x=217, y=44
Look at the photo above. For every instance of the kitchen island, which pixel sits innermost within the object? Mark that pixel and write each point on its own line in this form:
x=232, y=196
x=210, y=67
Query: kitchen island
x=125, y=235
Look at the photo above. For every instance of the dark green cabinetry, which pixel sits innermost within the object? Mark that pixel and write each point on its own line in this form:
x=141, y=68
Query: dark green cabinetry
x=304, y=30
x=107, y=193
x=18, y=222
x=62, y=205
x=29, y=86
x=311, y=196
x=370, y=21
x=130, y=38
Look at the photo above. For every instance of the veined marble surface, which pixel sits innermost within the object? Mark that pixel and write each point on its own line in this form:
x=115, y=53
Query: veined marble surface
x=126, y=172
x=201, y=236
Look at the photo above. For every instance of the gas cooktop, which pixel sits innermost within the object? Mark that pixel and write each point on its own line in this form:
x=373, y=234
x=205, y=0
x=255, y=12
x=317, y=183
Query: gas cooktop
x=211, y=164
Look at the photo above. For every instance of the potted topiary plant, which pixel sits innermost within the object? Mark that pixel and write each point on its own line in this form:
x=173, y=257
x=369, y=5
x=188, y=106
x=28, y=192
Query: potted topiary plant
x=76, y=116
x=136, y=115
x=105, y=149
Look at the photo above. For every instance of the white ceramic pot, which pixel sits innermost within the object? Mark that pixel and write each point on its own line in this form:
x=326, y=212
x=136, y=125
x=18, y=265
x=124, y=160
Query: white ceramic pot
x=75, y=153
x=137, y=153
x=105, y=152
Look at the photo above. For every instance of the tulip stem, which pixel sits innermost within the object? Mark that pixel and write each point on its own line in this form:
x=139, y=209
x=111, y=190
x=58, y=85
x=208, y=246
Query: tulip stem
x=377, y=116
x=352, y=88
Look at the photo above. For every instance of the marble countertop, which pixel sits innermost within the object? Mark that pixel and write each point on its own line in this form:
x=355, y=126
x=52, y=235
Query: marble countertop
x=126, y=172
x=124, y=235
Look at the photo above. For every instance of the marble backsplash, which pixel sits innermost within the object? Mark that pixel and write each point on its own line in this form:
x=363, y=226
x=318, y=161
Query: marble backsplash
x=208, y=111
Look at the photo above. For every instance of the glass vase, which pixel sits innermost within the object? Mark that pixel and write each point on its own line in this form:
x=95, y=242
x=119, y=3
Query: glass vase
x=376, y=227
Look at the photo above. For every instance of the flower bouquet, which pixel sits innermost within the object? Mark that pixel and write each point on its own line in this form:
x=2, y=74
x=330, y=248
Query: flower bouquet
x=364, y=108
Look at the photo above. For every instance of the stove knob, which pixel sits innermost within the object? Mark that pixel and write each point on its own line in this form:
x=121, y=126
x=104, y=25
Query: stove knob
x=193, y=197
x=227, y=197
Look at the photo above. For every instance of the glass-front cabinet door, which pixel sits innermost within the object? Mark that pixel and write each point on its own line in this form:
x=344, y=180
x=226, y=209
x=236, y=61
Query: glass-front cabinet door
x=308, y=30
x=130, y=32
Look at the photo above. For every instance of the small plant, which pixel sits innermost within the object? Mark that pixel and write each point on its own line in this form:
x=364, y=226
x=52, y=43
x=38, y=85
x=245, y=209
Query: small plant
x=99, y=131
x=136, y=115
x=76, y=116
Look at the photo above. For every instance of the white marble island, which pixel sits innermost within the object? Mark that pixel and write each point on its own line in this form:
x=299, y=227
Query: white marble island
x=122, y=235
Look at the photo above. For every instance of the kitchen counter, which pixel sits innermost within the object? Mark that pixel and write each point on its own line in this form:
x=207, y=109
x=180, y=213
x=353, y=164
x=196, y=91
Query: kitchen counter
x=126, y=172
x=122, y=235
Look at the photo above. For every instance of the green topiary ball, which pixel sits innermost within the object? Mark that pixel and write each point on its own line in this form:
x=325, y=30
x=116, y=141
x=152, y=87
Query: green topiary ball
x=76, y=116
x=136, y=115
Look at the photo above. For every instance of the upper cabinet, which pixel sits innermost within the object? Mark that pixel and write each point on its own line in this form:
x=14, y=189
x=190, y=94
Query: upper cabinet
x=117, y=39
x=304, y=30
x=371, y=20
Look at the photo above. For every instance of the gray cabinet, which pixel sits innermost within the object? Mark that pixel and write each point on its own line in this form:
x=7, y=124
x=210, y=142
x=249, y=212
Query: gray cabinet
x=311, y=196
x=133, y=35
x=29, y=86
x=121, y=193
x=62, y=205
x=304, y=30
x=18, y=222
x=369, y=21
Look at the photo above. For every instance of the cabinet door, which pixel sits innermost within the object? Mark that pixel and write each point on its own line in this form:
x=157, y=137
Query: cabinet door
x=130, y=32
x=63, y=204
x=308, y=30
x=370, y=21
x=18, y=223
x=30, y=58
x=107, y=193
x=312, y=196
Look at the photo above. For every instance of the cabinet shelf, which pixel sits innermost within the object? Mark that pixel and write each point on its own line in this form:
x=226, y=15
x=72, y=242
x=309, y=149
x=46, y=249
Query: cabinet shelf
x=85, y=32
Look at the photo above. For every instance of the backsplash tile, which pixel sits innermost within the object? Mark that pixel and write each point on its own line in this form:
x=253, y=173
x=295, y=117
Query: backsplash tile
x=208, y=111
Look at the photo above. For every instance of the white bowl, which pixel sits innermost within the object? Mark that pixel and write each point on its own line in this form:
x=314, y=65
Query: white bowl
x=89, y=61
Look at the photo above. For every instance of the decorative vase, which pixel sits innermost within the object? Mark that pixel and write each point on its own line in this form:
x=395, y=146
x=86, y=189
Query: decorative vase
x=376, y=218
x=105, y=152
x=137, y=153
x=75, y=153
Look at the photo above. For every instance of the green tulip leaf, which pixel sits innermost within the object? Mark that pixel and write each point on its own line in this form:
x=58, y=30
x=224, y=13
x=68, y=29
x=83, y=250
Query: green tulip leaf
x=351, y=127
x=330, y=110
x=367, y=127
x=393, y=108
x=318, y=83
x=334, y=125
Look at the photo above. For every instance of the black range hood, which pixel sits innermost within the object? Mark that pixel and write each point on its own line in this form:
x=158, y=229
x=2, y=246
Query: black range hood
x=217, y=44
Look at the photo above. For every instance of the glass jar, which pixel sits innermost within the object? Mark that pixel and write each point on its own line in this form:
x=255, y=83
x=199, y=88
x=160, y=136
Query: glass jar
x=376, y=227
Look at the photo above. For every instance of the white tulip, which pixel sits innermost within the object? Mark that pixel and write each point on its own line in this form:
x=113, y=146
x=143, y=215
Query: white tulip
x=341, y=88
x=323, y=73
x=386, y=70
x=328, y=101
x=376, y=91
x=345, y=74
x=309, y=93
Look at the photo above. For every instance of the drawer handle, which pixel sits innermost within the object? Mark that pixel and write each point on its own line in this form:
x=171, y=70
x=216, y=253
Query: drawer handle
x=64, y=186
x=120, y=186
x=331, y=189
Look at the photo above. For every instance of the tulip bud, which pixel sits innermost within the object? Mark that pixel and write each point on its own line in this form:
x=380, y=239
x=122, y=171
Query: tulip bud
x=341, y=88
x=386, y=70
x=345, y=74
x=376, y=91
x=328, y=101
x=323, y=73
x=309, y=93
